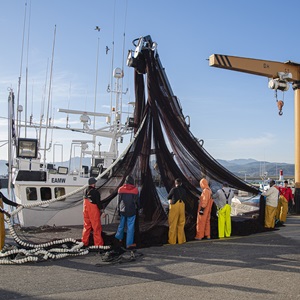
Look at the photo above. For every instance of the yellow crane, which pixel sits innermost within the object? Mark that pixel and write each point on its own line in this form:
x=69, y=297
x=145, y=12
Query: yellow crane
x=280, y=76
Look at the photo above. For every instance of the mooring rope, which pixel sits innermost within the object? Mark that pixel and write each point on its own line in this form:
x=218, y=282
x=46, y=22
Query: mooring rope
x=29, y=252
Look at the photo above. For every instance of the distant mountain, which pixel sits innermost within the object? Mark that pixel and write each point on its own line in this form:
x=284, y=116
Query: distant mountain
x=242, y=161
x=253, y=168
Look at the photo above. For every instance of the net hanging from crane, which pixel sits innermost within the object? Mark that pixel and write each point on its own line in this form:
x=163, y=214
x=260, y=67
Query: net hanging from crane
x=165, y=149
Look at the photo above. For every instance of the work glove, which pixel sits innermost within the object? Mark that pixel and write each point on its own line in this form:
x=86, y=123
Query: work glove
x=201, y=211
x=167, y=210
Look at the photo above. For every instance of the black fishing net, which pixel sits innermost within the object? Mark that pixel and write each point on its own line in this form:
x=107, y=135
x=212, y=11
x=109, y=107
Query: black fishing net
x=165, y=149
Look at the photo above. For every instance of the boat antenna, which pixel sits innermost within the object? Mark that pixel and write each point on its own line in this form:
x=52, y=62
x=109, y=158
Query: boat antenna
x=112, y=62
x=123, y=54
x=96, y=84
x=96, y=79
x=31, y=114
x=26, y=85
x=43, y=102
x=19, y=81
x=49, y=95
x=11, y=136
x=67, y=118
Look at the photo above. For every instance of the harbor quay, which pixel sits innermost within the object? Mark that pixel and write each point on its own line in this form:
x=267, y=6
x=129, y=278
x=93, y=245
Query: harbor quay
x=264, y=265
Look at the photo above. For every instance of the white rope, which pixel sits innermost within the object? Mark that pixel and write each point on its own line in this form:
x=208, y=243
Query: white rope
x=41, y=252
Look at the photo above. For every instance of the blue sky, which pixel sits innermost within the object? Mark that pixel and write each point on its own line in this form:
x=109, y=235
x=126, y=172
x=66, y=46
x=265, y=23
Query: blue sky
x=234, y=113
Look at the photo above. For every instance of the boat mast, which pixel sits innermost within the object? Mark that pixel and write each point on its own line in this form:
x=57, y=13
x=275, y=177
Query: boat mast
x=43, y=103
x=96, y=85
x=11, y=137
x=49, y=97
x=26, y=86
x=19, y=81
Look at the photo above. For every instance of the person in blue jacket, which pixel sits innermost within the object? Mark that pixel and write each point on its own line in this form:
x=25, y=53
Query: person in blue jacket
x=128, y=197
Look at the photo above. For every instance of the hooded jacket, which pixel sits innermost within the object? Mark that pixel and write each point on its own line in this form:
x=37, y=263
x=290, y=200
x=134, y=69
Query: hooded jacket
x=206, y=193
x=128, y=200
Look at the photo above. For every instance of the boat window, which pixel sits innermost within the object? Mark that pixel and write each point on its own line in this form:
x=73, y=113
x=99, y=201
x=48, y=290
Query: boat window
x=59, y=191
x=45, y=193
x=31, y=193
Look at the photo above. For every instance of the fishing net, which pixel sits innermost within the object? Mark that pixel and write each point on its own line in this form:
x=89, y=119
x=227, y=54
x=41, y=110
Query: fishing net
x=163, y=149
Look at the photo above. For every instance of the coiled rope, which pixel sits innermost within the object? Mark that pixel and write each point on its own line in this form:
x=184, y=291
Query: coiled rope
x=40, y=252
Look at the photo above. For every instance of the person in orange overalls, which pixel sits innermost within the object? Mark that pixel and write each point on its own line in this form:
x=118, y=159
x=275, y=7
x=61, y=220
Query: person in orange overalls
x=92, y=214
x=204, y=211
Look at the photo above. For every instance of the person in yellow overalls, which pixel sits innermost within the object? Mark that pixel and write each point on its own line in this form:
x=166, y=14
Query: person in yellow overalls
x=272, y=195
x=2, y=212
x=177, y=199
x=285, y=197
x=223, y=199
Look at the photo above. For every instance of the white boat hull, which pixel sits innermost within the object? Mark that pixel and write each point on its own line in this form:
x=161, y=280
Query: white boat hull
x=66, y=212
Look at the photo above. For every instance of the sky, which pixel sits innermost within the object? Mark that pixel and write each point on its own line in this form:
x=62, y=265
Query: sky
x=234, y=113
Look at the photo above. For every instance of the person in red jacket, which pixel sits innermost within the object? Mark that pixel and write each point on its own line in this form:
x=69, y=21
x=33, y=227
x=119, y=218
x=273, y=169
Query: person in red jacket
x=128, y=197
x=92, y=214
x=204, y=211
x=286, y=197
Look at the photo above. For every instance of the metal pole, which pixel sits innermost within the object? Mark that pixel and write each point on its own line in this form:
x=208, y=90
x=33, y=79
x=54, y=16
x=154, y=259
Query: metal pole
x=296, y=87
x=297, y=133
x=10, y=141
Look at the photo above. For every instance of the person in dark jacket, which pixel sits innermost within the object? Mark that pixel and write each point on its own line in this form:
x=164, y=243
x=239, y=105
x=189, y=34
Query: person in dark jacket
x=92, y=214
x=177, y=199
x=2, y=212
x=128, y=197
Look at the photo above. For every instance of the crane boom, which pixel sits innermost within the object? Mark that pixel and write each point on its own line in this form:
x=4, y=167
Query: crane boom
x=260, y=67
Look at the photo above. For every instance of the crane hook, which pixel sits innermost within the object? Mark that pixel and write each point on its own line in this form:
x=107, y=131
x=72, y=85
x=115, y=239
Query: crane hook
x=280, y=104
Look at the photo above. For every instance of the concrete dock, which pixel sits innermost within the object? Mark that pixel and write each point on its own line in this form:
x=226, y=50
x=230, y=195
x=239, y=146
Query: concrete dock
x=259, y=266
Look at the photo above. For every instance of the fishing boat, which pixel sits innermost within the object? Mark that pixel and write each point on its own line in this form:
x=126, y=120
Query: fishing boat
x=50, y=190
x=36, y=181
